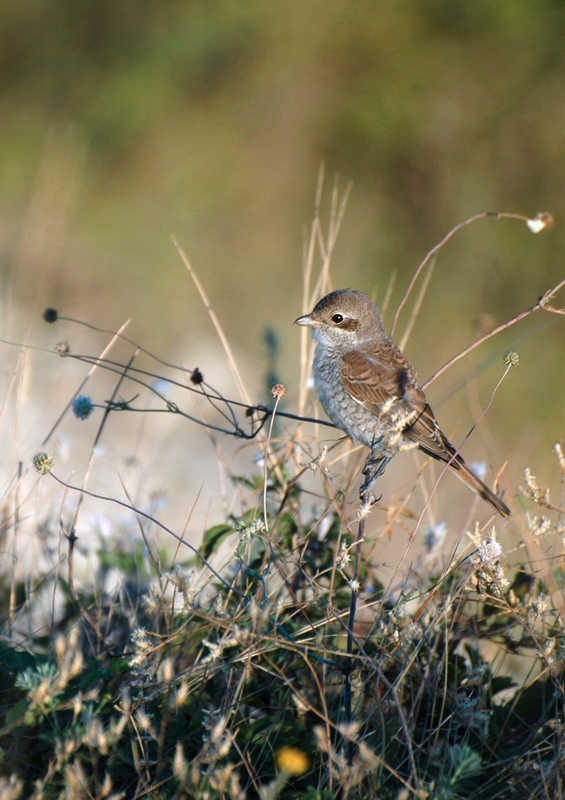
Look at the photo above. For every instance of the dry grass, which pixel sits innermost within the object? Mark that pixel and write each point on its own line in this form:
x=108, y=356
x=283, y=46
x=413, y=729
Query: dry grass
x=277, y=660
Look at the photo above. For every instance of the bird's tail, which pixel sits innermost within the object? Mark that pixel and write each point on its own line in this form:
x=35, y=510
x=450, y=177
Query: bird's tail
x=464, y=473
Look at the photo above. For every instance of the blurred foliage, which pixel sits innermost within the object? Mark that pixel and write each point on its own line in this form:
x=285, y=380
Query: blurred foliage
x=133, y=120
x=232, y=684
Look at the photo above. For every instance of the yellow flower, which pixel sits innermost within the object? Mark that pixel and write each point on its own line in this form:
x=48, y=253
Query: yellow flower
x=292, y=760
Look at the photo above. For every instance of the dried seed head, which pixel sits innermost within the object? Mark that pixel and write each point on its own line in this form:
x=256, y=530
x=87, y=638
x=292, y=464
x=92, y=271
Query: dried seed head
x=50, y=315
x=542, y=221
x=82, y=406
x=43, y=463
x=278, y=390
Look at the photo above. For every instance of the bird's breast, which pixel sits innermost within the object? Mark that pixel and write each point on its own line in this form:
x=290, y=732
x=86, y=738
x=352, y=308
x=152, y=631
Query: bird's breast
x=347, y=414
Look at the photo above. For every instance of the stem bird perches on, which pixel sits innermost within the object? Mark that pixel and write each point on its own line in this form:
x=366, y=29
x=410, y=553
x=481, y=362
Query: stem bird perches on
x=373, y=469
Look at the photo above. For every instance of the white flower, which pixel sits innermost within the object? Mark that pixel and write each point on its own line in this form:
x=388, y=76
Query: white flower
x=344, y=556
x=490, y=551
x=542, y=220
x=162, y=387
x=324, y=526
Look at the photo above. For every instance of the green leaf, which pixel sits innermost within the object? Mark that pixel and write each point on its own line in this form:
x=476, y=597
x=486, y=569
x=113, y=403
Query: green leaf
x=214, y=537
x=125, y=562
x=17, y=712
x=17, y=660
x=501, y=683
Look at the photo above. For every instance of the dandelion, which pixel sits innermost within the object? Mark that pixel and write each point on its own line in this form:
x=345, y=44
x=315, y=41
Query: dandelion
x=82, y=406
x=278, y=391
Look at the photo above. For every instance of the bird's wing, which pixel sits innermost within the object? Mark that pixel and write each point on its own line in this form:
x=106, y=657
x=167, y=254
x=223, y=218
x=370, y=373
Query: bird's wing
x=372, y=382
x=426, y=432
x=388, y=385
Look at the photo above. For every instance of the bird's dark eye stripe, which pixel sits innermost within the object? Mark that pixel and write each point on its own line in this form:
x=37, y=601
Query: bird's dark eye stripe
x=337, y=318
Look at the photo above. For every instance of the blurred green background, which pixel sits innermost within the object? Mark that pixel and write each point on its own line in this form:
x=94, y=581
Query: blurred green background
x=125, y=122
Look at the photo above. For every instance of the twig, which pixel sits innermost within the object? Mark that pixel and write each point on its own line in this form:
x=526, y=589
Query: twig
x=72, y=538
x=417, y=306
x=278, y=393
x=215, y=321
x=163, y=527
x=540, y=305
x=434, y=250
x=374, y=467
x=91, y=372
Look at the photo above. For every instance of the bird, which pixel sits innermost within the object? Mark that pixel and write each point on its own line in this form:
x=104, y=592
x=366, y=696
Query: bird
x=369, y=389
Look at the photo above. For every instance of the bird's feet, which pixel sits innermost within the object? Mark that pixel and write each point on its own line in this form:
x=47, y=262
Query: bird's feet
x=373, y=469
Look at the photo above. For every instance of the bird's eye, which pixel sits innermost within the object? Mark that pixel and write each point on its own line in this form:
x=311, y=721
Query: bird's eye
x=337, y=319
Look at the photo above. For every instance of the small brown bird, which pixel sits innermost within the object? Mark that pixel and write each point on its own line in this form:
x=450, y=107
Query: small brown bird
x=368, y=388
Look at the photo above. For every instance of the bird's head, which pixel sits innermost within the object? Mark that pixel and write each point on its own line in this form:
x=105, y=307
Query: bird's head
x=344, y=319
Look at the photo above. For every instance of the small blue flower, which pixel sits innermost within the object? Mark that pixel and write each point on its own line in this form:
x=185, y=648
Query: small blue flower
x=435, y=536
x=479, y=468
x=82, y=406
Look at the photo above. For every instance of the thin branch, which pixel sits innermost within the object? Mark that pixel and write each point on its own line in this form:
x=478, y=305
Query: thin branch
x=374, y=467
x=540, y=305
x=91, y=372
x=215, y=321
x=452, y=232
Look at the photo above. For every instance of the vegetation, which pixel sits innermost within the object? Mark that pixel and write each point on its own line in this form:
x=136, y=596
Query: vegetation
x=243, y=669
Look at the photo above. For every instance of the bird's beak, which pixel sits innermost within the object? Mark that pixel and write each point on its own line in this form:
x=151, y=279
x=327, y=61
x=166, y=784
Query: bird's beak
x=307, y=319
